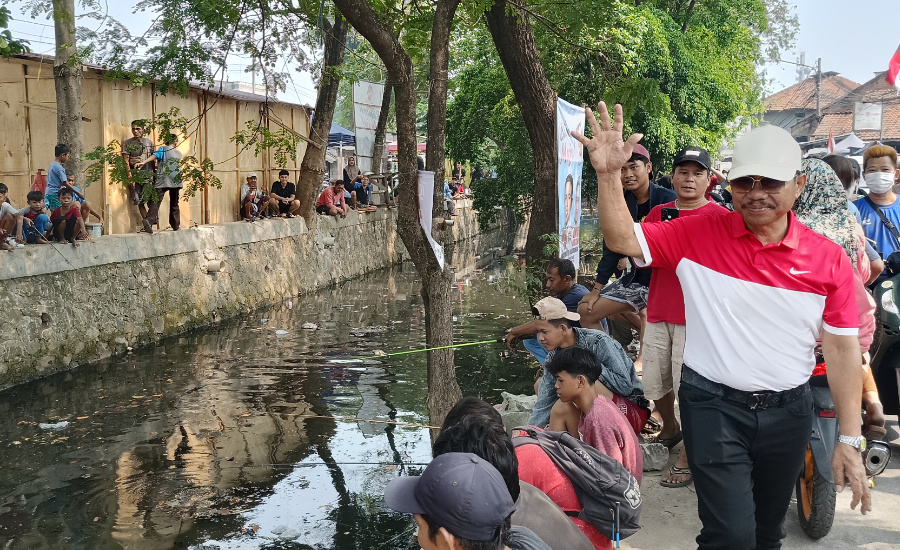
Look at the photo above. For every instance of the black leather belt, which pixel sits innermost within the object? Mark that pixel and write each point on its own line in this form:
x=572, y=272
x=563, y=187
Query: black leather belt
x=755, y=401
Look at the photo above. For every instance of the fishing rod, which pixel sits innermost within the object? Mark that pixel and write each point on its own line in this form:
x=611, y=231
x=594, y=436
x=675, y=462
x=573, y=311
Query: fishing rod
x=407, y=352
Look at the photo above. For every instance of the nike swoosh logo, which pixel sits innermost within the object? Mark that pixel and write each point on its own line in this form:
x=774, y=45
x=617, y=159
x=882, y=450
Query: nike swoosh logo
x=795, y=272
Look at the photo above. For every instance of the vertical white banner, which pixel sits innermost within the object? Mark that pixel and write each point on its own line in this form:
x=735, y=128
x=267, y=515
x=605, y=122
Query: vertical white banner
x=570, y=158
x=367, y=98
x=426, y=209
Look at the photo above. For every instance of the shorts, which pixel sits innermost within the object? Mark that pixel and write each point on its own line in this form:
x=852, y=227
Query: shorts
x=663, y=356
x=323, y=209
x=634, y=294
x=284, y=208
x=52, y=202
x=635, y=414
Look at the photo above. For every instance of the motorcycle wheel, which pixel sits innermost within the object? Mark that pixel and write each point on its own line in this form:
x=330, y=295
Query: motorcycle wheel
x=815, y=499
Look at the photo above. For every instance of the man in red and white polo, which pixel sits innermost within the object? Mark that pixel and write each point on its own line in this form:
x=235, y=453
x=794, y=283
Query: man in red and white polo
x=759, y=289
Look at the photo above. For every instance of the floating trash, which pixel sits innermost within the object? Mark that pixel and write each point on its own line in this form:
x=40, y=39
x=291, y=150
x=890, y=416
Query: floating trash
x=54, y=427
x=281, y=333
x=308, y=326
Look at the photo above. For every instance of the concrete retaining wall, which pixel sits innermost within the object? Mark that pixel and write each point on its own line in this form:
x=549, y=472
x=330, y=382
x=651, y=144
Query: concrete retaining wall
x=63, y=306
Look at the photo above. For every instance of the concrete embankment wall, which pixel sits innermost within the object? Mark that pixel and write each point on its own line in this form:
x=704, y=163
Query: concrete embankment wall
x=62, y=306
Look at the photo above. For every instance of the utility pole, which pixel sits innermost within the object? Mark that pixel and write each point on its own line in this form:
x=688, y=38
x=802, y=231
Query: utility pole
x=819, y=89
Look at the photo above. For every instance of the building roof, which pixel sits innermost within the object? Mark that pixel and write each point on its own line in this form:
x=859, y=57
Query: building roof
x=195, y=86
x=803, y=94
x=837, y=118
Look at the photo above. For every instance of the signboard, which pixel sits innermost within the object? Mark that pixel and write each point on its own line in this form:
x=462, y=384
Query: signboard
x=867, y=116
x=570, y=158
x=365, y=144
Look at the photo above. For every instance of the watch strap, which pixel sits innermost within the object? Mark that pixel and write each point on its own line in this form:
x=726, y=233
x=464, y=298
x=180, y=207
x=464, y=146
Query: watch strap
x=857, y=442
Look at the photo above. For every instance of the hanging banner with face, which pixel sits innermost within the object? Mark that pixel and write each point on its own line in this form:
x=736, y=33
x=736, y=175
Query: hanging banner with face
x=570, y=158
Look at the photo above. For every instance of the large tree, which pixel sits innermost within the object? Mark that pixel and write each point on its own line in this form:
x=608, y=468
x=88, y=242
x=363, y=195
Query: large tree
x=443, y=389
x=67, y=78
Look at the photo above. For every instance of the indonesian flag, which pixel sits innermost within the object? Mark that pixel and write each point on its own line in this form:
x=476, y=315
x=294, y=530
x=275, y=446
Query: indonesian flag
x=831, y=142
x=894, y=70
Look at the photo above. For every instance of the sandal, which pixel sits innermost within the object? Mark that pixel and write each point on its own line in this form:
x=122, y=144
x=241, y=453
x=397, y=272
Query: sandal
x=653, y=426
x=668, y=442
x=676, y=471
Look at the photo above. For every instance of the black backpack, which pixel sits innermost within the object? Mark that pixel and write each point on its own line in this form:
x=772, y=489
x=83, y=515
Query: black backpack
x=610, y=496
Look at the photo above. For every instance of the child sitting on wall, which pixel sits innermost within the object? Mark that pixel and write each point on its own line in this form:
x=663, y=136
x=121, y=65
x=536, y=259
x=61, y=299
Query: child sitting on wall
x=10, y=222
x=36, y=222
x=593, y=418
x=68, y=225
x=87, y=209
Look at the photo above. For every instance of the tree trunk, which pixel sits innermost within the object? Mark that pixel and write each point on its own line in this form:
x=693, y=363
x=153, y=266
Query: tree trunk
x=436, y=148
x=67, y=78
x=312, y=169
x=516, y=48
x=443, y=390
x=381, y=128
x=687, y=17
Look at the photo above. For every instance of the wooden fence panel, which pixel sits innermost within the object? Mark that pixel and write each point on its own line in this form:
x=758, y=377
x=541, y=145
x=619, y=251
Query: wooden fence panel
x=14, y=153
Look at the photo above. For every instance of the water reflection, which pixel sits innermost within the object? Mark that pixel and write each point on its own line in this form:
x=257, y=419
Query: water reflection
x=226, y=437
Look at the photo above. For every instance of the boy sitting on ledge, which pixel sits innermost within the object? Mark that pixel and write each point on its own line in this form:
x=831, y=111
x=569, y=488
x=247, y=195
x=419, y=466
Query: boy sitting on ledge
x=36, y=222
x=592, y=415
x=68, y=225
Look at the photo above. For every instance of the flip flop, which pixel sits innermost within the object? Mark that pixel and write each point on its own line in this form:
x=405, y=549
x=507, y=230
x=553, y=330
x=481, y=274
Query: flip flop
x=652, y=426
x=675, y=471
x=668, y=442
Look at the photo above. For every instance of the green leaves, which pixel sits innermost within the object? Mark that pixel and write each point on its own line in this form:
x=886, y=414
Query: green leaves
x=9, y=45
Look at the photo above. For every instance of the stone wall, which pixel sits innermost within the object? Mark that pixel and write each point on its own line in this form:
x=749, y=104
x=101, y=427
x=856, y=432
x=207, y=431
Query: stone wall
x=64, y=305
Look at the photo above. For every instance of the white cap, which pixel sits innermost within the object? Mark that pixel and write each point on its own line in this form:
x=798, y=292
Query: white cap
x=551, y=309
x=252, y=175
x=767, y=151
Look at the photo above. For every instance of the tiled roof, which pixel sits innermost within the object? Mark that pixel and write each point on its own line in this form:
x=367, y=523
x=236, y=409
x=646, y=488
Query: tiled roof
x=803, y=94
x=838, y=117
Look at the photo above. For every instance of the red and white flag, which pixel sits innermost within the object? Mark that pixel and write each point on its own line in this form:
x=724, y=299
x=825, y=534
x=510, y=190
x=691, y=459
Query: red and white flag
x=831, y=142
x=894, y=70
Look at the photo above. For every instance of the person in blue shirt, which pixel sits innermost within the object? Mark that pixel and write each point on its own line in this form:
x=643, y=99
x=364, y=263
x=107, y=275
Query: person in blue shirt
x=448, y=199
x=56, y=175
x=880, y=173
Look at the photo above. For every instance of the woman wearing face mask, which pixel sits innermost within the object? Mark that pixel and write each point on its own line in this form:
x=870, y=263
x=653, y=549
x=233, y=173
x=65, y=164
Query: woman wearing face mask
x=880, y=172
x=847, y=171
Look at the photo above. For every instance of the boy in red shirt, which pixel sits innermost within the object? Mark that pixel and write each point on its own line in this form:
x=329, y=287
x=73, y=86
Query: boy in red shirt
x=67, y=221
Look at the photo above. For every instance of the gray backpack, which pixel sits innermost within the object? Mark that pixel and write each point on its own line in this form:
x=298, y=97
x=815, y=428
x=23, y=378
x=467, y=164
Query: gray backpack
x=610, y=496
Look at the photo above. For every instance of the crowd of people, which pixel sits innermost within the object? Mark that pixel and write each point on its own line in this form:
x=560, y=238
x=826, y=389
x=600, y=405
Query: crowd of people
x=734, y=305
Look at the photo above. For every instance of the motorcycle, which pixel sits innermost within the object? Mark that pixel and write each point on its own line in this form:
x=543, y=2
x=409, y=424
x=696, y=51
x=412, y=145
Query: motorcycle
x=886, y=344
x=815, y=487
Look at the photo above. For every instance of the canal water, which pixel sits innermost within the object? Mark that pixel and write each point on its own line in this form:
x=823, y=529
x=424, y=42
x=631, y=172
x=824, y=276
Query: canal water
x=255, y=433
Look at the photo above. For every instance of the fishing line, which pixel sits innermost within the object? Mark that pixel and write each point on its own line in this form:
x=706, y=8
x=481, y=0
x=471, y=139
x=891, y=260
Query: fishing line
x=493, y=341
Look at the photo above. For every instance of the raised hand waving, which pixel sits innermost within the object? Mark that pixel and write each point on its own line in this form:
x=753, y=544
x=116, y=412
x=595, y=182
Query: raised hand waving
x=606, y=149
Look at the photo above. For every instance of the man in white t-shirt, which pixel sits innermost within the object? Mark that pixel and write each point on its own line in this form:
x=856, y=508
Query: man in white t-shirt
x=759, y=289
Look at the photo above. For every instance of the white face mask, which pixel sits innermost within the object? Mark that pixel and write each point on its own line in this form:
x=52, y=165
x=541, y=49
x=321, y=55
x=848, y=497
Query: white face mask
x=880, y=182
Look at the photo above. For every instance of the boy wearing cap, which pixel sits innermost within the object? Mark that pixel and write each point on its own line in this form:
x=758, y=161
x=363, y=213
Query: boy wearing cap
x=460, y=502
x=627, y=294
x=746, y=405
x=664, y=335
x=255, y=202
x=555, y=331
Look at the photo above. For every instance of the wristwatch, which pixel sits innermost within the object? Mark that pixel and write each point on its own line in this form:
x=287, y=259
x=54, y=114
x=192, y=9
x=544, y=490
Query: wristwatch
x=858, y=442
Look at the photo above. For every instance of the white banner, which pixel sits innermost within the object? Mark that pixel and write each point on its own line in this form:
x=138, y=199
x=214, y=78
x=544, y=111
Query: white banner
x=426, y=208
x=570, y=158
x=365, y=116
x=367, y=98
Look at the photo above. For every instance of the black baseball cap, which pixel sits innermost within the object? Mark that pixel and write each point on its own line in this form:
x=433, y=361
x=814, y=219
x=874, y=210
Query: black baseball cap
x=461, y=492
x=693, y=154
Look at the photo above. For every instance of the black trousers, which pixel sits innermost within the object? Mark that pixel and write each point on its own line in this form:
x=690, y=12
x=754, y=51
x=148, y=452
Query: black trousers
x=745, y=464
x=174, y=208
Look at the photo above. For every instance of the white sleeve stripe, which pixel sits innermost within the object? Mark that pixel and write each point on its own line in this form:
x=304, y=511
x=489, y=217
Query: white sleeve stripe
x=645, y=249
x=840, y=331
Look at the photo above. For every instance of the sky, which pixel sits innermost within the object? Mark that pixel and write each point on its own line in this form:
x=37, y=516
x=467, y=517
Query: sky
x=853, y=37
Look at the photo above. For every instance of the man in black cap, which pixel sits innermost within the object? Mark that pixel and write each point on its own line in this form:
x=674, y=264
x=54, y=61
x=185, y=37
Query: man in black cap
x=460, y=502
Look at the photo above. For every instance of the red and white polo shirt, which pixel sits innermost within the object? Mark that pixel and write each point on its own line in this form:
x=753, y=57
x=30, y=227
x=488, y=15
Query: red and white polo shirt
x=753, y=312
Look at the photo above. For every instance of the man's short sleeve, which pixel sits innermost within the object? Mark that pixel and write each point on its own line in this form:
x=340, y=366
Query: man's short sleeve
x=841, y=316
x=663, y=243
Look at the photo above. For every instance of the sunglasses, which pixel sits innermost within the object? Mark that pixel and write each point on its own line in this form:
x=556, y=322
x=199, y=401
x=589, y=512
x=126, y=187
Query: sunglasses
x=745, y=184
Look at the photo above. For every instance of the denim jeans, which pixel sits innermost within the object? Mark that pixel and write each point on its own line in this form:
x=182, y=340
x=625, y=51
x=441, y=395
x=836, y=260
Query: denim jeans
x=745, y=464
x=39, y=229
